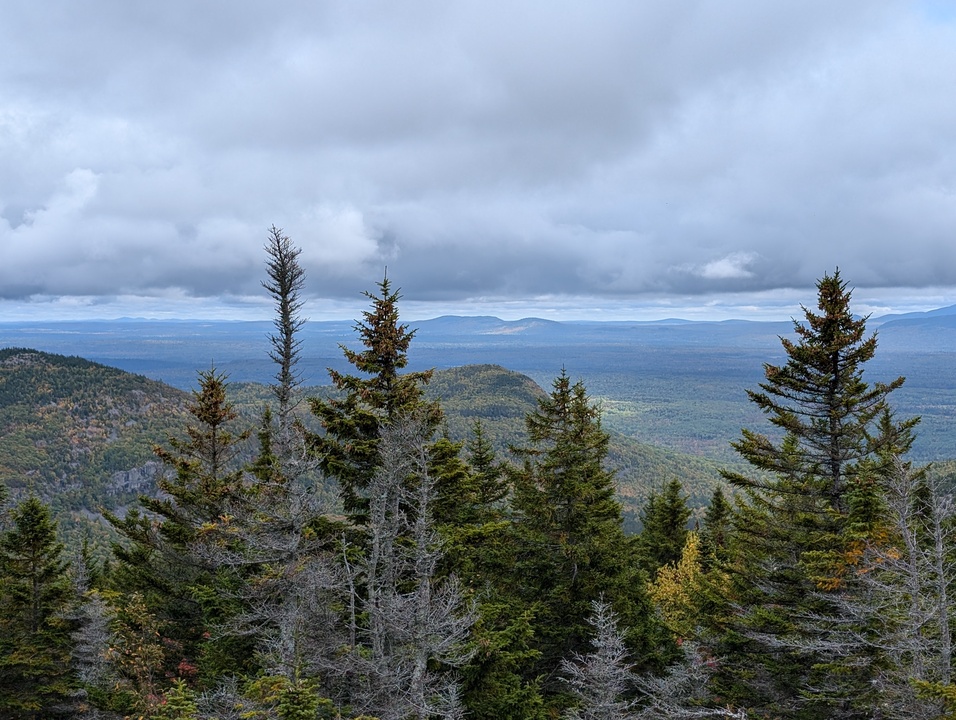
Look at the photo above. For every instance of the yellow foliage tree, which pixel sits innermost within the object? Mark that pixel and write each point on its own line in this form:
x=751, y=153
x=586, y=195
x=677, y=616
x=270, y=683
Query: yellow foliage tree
x=676, y=587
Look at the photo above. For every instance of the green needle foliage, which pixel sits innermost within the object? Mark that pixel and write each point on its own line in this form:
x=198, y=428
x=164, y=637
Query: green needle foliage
x=35, y=640
x=159, y=558
x=178, y=704
x=571, y=548
x=347, y=449
x=664, y=528
x=803, y=510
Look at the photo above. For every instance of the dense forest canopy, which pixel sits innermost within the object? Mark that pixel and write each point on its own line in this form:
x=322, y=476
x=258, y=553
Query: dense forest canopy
x=418, y=545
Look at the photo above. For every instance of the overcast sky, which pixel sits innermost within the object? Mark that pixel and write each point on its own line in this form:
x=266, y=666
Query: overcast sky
x=699, y=158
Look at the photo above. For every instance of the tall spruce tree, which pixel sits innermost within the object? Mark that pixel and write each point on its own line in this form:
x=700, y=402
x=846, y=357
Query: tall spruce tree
x=160, y=558
x=664, y=527
x=35, y=635
x=347, y=449
x=286, y=278
x=715, y=529
x=570, y=546
x=798, y=514
x=472, y=519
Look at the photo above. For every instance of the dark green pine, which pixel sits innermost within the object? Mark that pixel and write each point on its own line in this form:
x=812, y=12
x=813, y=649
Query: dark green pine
x=570, y=545
x=35, y=637
x=715, y=530
x=158, y=557
x=817, y=476
x=347, y=447
x=663, y=528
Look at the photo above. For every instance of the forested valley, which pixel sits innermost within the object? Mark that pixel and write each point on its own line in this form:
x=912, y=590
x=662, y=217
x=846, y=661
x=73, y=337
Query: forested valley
x=345, y=555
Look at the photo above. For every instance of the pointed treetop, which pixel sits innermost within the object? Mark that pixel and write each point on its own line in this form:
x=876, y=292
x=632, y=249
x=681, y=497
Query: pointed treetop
x=286, y=278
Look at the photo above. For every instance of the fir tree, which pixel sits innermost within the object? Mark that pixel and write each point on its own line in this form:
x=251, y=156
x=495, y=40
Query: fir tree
x=178, y=704
x=490, y=482
x=479, y=551
x=347, y=449
x=799, y=513
x=570, y=545
x=499, y=683
x=664, y=528
x=35, y=637
x=162, y=558
x=715, y=530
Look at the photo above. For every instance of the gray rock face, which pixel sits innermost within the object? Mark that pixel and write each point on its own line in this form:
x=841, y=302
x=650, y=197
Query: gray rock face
x=140, y=480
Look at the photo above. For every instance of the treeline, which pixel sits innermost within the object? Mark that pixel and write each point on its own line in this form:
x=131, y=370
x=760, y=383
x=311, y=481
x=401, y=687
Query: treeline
x=453, y=583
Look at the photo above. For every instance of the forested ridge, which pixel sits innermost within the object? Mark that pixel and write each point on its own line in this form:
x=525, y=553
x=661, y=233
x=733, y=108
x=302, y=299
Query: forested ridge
x=462, y=568
x=80, y=435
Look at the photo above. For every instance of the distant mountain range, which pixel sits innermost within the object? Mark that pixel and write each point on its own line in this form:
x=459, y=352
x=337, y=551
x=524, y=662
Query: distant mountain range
x=673, y=383
x=947, y=311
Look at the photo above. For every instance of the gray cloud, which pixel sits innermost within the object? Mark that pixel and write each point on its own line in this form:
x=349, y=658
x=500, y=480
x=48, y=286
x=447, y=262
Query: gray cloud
x=479, y=150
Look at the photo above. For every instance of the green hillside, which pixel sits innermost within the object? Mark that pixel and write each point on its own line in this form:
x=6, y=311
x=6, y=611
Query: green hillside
x=501, y=398
x=80, y=434
x=498, y=397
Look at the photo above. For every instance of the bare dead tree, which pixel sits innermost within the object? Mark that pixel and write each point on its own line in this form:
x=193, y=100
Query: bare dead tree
x=601, y=681
x=605, y=687
x=288, y=579
x=92, y=640
x=285, y=580
x=682, y=692
x=414, y=623
x=226, y=702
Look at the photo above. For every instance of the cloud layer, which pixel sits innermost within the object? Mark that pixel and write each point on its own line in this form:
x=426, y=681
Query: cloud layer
x=478, y=149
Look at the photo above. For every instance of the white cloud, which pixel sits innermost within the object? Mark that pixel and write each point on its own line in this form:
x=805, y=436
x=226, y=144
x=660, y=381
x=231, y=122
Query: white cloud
x=729, y=267
x=336, y=238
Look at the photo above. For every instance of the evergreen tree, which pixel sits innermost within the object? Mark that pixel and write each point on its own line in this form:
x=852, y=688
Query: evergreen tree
x=499, y=683
x=491, y=485
x=799, y=513
x=715, y=530
x=207, y=464
x=286, y=278
x=178, y=704
x=570, y=546
x=664, y=528
x=347, y=449
x=4, y=496
x=479, y=551
x=469, y=511
x=162, y=558
x=35, y=637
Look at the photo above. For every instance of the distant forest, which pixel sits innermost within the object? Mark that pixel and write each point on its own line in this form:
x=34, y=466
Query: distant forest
x=366, y=552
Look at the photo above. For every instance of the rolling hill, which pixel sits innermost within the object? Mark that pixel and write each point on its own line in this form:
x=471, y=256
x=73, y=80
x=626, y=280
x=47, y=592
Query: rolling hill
x=80, y=434
x=675, y=384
